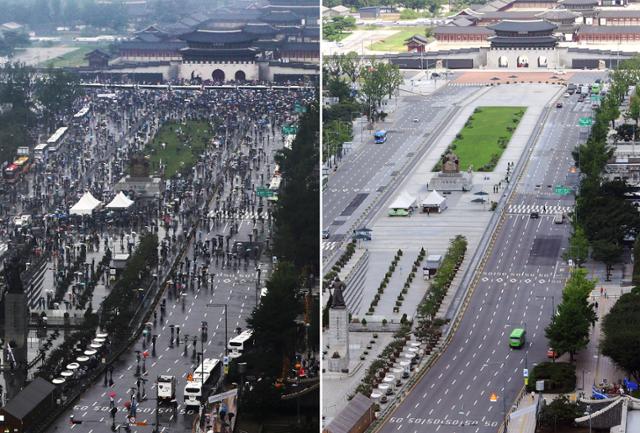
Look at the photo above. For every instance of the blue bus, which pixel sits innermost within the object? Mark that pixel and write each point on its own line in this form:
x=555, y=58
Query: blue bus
x=380, y=136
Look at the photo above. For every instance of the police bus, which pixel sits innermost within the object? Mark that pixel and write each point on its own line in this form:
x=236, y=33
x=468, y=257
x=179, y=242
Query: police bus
x=57, y=139
x=239, y=343
x=204, y=379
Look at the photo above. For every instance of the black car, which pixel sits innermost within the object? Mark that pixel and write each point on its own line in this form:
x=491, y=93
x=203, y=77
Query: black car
x=534, y=215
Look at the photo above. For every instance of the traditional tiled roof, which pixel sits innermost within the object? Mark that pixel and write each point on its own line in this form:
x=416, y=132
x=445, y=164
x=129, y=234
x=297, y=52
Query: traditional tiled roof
x=139, y=45
x=530, y=41
x=523, y=26
x=608, y=29
x=219, y=36
x=472, y=30
x=619, y=13
x=567, y=3
x=559, y=14
x=278, y=17
x=261, y=29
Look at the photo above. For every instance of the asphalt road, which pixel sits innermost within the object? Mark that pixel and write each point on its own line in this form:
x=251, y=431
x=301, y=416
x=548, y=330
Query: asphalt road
x=363, y=172
x=234, y=287
x=523, y=271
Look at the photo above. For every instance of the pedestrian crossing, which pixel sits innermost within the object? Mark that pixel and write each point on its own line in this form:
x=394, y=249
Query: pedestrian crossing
x=329, y=246
x=541, y=209
x=243, y=215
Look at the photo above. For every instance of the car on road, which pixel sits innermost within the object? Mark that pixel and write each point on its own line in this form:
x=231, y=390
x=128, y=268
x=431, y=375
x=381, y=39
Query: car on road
x=534, y=215
x=566, y=94
x=559, y=104
x=326, y=234
x=558, y=218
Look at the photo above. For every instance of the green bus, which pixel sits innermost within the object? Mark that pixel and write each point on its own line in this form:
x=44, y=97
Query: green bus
x=595, y=89
x=516, y=339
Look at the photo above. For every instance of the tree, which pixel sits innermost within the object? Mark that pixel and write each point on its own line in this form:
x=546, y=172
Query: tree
x=569, y=328
x=607, y=252
x=621, y=329
x=298, y=211
x=560, y=413
x=379, y=80
x=56, y=92
x=635, y=278
x=578, y=249
x=273, y=320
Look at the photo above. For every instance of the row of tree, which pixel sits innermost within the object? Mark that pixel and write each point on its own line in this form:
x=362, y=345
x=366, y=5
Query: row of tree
x=29, y=100
x=359, y=87
x=603, y=217
x=278, y=332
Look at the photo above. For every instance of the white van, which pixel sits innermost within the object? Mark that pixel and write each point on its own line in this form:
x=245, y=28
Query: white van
x=558, y=218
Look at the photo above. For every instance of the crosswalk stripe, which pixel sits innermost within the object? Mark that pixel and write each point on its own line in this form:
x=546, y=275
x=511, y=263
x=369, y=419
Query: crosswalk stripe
x=541, y=209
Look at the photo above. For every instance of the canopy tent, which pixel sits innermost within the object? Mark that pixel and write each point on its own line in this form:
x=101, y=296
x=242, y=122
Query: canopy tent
x=120, y=201
x=402, y=205
x=86, y=205
x=434, y=201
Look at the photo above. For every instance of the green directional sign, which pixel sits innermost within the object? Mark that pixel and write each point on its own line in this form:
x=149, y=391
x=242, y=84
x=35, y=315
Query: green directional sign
x=596, y=98
x=562, y=190
x=298, y=108
x=289, y=130
x=585, y=121
x=264, y=192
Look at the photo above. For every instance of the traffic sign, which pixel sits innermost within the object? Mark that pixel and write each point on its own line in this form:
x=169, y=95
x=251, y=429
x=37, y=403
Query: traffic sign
x=596, y=98
x=225, y=360
x=262, y=191
x=526, y=381
x=289, y=130
x=562, y=190
x=585, y=121
x=525, y=372
x=493, y=397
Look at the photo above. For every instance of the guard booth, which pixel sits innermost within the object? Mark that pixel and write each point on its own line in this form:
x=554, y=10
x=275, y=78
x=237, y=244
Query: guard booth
x=431, y=266
x=23, y=412
x=118, y=263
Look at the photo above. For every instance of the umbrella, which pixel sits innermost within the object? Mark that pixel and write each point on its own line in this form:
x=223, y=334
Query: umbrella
x=481, y=193
x=495, y=79
x=513, y=76
x=73, y=366
x=90, y=352
x=58, y=381
x=66, y=373
x=478, y=200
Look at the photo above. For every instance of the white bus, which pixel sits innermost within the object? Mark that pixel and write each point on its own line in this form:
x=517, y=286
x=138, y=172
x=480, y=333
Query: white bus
x=57, y=139
x=41, y=152
x=238, y=343
x=82, y=113
x=275, y=183
x=205, y=377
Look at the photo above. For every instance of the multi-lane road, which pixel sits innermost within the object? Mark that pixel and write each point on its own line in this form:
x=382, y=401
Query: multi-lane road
x=367, y=172
x=522, y=272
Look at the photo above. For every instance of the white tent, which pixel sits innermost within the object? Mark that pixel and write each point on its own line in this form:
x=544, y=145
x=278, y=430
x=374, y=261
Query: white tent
x=434, y=201
x=120, y=201
x=404, y=201
x=86, y=205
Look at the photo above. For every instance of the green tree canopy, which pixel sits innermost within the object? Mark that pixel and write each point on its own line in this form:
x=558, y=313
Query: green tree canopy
x=377, y=81
x=621, y=329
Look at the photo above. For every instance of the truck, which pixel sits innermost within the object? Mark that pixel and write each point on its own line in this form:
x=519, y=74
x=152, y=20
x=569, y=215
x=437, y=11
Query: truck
x=166, y=388
x=585, y=89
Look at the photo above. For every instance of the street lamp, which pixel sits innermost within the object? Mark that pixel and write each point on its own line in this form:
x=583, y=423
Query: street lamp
x=226, y=349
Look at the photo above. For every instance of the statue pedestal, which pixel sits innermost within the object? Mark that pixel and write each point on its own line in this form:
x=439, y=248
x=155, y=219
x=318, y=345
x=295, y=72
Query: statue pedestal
x=451, y=182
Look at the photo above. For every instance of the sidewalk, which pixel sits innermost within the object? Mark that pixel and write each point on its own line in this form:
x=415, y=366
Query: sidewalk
x=523, y=419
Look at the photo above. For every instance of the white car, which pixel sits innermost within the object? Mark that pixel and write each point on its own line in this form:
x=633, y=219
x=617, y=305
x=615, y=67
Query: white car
x=566, y=94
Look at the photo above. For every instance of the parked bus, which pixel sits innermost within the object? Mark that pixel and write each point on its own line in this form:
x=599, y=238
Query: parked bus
x=380, y=136
x=11, y=173
x=517, y=338
x=238, y=343
x=57, y=139
x=204, y=378
x=41, y=152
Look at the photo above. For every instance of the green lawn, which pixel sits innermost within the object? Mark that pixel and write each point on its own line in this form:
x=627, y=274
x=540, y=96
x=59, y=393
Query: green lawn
x=184, y=143
x=73, y=58
x=395, y=42
x=485, y=136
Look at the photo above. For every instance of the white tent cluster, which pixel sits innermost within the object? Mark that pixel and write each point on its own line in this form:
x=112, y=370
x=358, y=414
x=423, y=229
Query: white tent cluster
x=88, y=203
